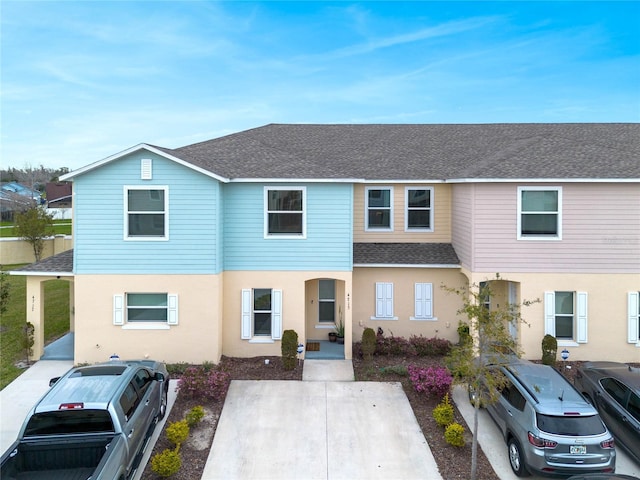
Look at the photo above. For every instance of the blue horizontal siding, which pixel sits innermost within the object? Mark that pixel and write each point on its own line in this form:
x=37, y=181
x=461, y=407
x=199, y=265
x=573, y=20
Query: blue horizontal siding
x=194, y=217
x=329, y=235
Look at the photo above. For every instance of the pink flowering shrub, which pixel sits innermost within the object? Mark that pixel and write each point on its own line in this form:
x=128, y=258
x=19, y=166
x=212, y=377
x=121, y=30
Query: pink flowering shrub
x=434, y=381
x=200, y=382
x=430, y=347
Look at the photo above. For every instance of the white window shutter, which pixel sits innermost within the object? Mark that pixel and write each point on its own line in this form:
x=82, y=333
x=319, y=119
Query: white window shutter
x=581, y=319
x=245, y=329
x=384, y=300
x=424, y=300
x=633, y=298
x=118, y=309
x=172, y=317
x=550, y=313
x=146, y=171
x=276, y=314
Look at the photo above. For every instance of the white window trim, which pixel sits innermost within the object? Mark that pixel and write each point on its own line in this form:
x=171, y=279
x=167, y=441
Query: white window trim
x=246, y=321
x=406, y=209
x=366, y=210
x=120, y=313
x=327, y=300
x=580, y=314
x=553, y=238
x=423, y=298
x=633, y=329
x=384, y=301
x=277, y=236
x=125, y=202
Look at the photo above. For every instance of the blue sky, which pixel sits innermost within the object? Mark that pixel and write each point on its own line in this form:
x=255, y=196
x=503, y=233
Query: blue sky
x=84, y=80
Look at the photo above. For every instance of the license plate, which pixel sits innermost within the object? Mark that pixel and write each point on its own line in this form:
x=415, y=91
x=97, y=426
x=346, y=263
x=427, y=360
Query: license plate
x=578, y=449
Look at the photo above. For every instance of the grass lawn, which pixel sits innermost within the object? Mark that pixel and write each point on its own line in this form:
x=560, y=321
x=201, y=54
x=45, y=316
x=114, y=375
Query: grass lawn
x=56, y=301
x=60, y=227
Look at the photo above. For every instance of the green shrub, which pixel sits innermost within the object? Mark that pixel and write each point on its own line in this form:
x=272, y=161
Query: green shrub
x=166, y=463
x=289, y=349
x=396, y=370
x=195, y=415
x=443, y=413
x=549, y=349
x=464, y=333
x=454, y=435
x=177, y=432
x=368, y=345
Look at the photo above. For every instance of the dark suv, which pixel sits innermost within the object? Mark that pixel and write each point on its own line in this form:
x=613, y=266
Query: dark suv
x=550, y=429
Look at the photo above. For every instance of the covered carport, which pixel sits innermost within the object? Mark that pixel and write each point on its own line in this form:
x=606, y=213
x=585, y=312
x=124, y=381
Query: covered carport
x=56, y=267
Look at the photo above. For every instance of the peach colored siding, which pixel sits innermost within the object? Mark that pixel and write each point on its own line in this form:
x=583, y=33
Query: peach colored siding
x=441, y=221
x=611, y=247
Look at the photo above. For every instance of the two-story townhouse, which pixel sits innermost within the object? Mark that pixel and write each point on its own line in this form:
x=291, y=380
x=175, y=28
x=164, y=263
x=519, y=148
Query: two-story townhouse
x=216, y=248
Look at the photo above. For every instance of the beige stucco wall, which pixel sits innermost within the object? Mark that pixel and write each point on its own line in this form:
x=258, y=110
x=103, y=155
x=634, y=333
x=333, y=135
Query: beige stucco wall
x=15, y=250
x=606, y=320
x=197, y=337
x=296, y=308
x=445, y=305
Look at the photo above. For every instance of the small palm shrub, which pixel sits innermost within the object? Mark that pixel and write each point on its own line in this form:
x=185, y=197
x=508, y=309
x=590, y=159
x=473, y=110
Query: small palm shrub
x=549, y=349
x=443, y=413
x=195, y=415
x=454, y=435
x=289, y=349
x=177, y=432
x=166, y=463
x=434, y=381
x=368, y=346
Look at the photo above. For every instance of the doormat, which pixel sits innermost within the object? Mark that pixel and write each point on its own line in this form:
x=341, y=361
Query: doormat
x=313, y=346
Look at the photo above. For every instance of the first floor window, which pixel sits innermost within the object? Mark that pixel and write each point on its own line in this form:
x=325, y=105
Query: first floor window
x=539, y=212
x=566, y=315
x=423, y=301
x=285, y=212
x=141, y=308
x=261, y=313
x=146, y=212
x=378, y=208
x=633, y=317
x=327, y=301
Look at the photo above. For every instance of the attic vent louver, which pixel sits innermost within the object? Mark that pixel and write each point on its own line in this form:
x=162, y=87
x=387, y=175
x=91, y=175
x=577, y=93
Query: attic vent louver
x=146, y=169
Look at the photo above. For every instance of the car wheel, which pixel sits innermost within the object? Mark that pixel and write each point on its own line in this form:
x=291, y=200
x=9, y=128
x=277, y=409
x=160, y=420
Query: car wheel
x=516, y=459
x=163, y=405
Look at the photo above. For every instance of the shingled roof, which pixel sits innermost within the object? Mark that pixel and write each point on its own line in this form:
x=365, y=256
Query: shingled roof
x=414, y=254
x=60, y=264
x=422, y=152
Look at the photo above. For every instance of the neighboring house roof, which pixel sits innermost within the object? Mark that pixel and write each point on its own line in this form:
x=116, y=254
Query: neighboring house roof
x=410, y=254
x=17, y=188
x=60, y=265
x=57, y=192
x=486, y=152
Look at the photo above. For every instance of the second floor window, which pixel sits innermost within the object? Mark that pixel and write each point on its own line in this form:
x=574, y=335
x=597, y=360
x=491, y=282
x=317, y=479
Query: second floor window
x=539, y=213
x=379, y=208
x=285, y=212
x=146, y=213
x=419, y=214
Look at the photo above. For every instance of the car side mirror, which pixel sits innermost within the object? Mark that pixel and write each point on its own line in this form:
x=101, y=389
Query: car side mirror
x=53, y=380
x=159, y=377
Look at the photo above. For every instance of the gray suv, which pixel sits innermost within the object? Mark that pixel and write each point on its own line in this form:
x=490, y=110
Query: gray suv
x=549, y=428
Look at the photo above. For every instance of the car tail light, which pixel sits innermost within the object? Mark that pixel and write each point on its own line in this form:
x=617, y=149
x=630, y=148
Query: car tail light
x=71, y=406
x=610, y=443
x=541, y=442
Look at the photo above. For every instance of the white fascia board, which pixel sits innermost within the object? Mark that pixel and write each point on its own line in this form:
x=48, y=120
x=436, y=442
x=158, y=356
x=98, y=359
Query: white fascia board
x=405, y=181
x=41, y=274
x=141, y=146
x=402, y=265
x=542, y=180
x=296, y=180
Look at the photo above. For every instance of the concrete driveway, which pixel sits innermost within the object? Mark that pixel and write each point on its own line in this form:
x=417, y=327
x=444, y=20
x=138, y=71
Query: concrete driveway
x=318, y=430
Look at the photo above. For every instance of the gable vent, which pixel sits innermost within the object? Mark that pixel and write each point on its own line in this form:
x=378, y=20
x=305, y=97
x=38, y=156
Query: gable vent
x=146, y=171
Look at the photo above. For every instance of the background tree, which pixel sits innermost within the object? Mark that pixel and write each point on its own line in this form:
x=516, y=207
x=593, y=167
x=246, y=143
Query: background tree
x=4, y=292
x=33, y=226
x=475, y=359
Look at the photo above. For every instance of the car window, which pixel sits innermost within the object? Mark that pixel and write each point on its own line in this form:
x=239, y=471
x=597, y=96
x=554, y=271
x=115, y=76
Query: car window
x=582, y=425
x=514, y=397
x=129, y=400
x=616, y=389
x=69, y=421
x=634, y=406
x=142, y=380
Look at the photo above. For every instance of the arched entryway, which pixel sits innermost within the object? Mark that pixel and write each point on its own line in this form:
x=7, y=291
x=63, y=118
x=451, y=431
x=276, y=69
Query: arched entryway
x=327, y=308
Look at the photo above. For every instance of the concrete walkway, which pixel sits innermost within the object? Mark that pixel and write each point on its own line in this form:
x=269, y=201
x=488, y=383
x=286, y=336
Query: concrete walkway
x=326, y=427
